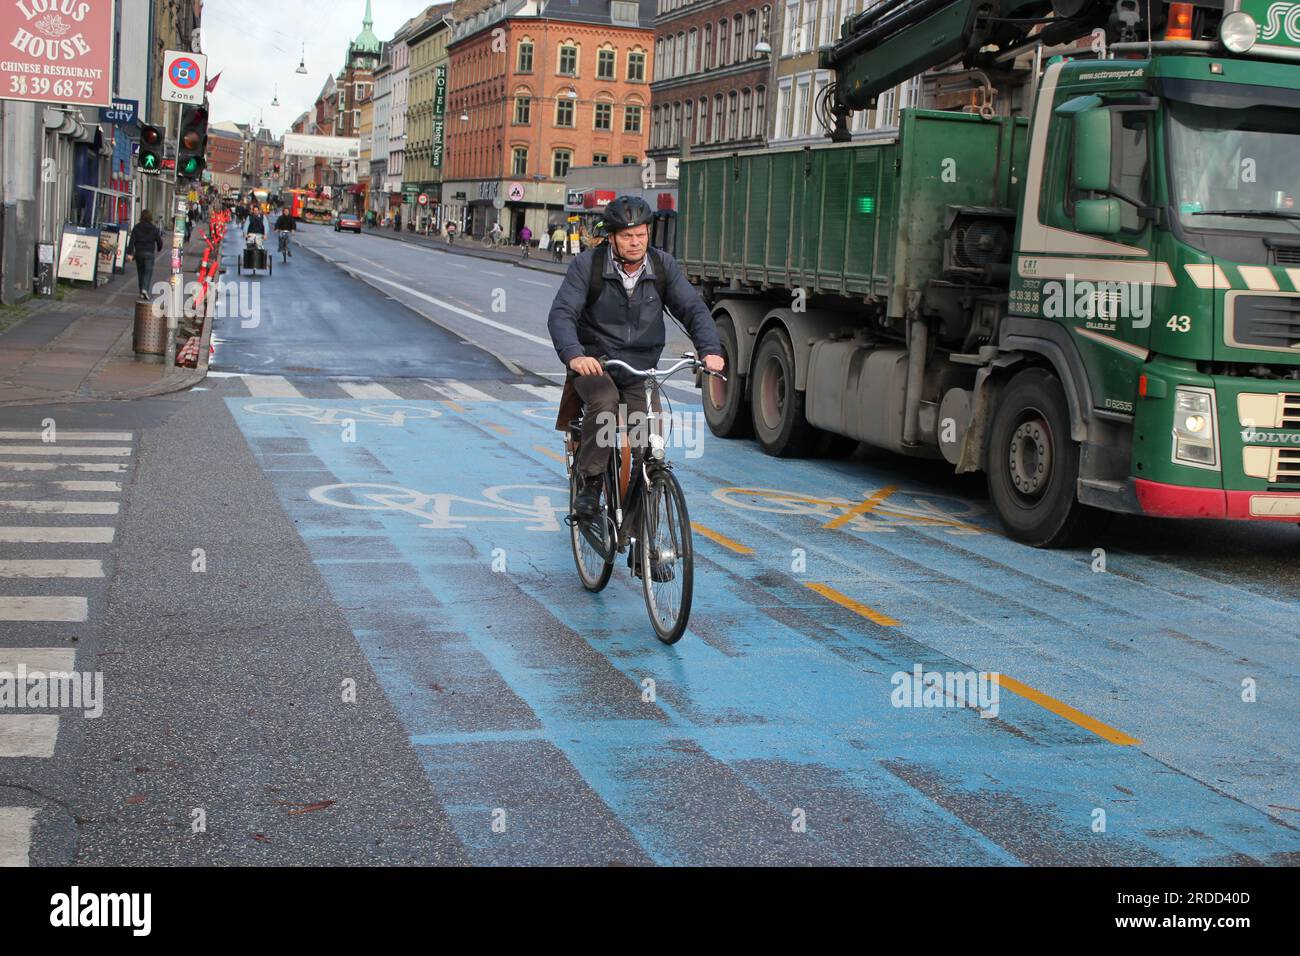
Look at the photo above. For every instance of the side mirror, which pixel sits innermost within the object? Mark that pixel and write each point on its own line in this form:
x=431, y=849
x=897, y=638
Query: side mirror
x=1092, y=150
x=1097, y=217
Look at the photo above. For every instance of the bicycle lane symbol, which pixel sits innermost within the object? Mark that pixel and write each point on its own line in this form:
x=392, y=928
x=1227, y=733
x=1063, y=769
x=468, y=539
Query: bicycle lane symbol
x=446, y=511
x=389, y=416
x=894, y=511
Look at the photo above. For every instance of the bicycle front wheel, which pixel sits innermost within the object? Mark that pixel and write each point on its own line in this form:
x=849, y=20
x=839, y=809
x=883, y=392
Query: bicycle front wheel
x=666, y=557
x=593, y=544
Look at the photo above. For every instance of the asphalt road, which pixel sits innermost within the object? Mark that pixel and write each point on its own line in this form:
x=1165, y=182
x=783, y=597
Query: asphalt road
x=339, y=623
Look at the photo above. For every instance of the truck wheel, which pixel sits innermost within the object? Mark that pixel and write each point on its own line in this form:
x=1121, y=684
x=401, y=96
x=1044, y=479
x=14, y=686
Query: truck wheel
x=725, y=405
x=777, y=407
x=1033, y=463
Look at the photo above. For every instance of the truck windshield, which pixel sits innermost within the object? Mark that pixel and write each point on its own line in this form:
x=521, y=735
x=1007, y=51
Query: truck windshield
x=1237, y=169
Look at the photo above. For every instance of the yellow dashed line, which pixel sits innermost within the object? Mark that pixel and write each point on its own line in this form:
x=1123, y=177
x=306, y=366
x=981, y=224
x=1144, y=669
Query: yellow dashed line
x=884, y=620
x=499, y=429
x=453, y=406
x=861, y=509
x=721, y=539
x=550, y=453
x=1077, y=717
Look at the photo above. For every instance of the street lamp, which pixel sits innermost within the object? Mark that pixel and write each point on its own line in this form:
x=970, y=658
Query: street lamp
x=762, y=48
x=275, y=100
x=302, y=60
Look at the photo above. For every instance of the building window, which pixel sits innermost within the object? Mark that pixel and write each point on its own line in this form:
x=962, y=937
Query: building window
x=631, y=161
x=679, y=60
x=691, y=49
x=561, y=159
x=717, y=118
x=525, y=56
x=702, y=121
x=564, y=111
x=746, y=130
x=807, y=26
x=523, y=110
x=828, y=22
x=656, y=127
x=636, y=66
x=519, y=167
x=722, y=43
x=760, y=116
x=600, y=159
x=605, y=65
x=733, y=115
x=738, y=39
x=801, y=111
x=688, y=120
x=631, y=119
x=604, y=116
x=707, y=48
x=568, y=60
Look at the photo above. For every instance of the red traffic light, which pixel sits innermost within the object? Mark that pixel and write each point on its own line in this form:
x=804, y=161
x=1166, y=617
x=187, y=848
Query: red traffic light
x=151, y=135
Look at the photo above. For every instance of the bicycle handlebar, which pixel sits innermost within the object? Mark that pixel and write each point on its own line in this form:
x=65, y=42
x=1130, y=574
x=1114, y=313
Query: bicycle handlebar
x=687, y=361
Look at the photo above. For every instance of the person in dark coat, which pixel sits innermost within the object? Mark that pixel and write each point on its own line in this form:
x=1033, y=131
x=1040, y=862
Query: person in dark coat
x=144, y=244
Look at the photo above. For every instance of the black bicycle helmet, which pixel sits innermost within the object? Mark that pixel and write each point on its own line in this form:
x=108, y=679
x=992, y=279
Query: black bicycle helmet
x=626, y=212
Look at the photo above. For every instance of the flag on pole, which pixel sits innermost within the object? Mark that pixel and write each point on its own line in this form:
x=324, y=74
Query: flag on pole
x=212, y=83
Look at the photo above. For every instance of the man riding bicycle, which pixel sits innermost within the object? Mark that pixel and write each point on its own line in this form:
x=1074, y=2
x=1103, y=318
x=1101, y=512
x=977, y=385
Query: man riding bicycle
x=611, y=305
x=285, y=225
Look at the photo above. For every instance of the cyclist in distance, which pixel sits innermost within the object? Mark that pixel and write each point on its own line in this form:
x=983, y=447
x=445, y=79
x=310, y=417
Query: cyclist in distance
x=286, y=224
x=611, y=305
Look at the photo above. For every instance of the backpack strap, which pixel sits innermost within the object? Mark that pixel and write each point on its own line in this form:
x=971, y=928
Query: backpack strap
x=596, y=282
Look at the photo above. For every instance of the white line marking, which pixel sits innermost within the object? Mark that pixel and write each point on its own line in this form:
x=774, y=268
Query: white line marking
x=50, y=569
x=103, y=451
x=537, y=339
x=270, y=386
x=367, y=390
x=74, y=609
x=544, y=285
x=43, y=659
x=104, y=486
x=61, y=507
x=32, y=535
x=547, y=393
x=70, y=436
x=491, y=273
x=28, y=735
x=459, y=391
x=16, y=825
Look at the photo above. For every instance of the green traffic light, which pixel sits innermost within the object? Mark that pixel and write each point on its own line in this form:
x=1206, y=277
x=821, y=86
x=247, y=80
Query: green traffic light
x=191, y=166
x=150, y=160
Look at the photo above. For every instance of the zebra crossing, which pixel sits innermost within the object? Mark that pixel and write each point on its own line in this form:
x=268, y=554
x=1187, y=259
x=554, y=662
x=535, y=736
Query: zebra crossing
x=419, y=389
x=59, y=492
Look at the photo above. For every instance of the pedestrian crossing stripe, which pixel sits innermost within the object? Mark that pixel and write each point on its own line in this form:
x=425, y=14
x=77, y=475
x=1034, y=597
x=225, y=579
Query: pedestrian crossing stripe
x=324, y=388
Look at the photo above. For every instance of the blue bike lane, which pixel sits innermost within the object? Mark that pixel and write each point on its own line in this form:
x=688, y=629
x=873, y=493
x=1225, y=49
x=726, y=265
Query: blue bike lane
x=555, y=728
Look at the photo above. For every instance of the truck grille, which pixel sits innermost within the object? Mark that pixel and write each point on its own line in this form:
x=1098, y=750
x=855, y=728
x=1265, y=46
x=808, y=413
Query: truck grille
x=1268, y=320
x=1288, y=466
x=1290, y=411
x=1286, y=255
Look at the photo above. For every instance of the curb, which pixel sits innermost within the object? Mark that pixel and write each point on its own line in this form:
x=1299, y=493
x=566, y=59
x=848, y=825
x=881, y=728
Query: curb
x=555, y=268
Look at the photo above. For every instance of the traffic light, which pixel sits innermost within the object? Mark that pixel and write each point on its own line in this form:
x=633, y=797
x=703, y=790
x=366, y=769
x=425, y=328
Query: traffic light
x=191, y=157
x=150, y=159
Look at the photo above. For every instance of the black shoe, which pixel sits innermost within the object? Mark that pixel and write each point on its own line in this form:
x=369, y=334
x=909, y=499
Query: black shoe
x=586, y=504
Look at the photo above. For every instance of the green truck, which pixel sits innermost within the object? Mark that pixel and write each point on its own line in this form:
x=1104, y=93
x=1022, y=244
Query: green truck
x=1097, y=303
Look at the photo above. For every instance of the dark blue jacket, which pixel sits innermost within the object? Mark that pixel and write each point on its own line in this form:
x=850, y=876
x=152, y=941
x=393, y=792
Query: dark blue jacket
x=620, y=326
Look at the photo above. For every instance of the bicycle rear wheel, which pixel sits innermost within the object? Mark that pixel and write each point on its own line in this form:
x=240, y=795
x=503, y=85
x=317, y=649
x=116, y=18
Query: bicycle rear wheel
x=592, y=542
x=666, y=553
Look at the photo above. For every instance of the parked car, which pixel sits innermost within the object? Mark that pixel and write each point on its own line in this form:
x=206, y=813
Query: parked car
x=347, y=220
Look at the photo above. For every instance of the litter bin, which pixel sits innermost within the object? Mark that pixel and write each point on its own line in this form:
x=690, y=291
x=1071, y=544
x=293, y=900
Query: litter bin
x=150, y=332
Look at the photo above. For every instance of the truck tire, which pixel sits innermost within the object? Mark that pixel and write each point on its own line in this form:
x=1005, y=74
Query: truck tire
x=1033, y=463
x=726, y=406
x=777, y=407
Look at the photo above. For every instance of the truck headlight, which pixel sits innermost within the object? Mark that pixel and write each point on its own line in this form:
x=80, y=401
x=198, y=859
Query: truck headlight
x=1195, y=428
x=1238, y=32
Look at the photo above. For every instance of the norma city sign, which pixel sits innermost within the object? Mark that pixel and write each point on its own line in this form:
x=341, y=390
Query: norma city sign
x=123, y=112
x=57, y=53
x=184, y=77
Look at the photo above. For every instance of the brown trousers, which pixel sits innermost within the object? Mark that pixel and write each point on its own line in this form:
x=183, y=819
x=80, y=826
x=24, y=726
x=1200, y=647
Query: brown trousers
x=601, y=399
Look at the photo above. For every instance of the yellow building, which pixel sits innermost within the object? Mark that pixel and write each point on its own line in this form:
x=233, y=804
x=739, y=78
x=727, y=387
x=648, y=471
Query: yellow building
x=426, y=111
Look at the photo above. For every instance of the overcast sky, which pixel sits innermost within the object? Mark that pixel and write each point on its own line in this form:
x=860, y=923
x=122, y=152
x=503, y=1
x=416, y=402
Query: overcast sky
x=256, y=44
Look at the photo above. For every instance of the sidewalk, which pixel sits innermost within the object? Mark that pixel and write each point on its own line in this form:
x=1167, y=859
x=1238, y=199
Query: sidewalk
x=80, y=349
x=538, y=259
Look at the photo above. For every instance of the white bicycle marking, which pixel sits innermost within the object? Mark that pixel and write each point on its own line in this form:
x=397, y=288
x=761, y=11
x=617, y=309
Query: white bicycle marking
x=390, y=416
x=435, y=509
x=901, y=509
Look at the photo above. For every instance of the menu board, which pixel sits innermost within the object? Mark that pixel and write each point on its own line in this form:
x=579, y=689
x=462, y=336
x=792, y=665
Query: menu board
x=78, y=254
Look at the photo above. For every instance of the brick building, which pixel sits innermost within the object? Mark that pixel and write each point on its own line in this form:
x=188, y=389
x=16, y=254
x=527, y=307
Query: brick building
x=534, y=89
x=712, y=77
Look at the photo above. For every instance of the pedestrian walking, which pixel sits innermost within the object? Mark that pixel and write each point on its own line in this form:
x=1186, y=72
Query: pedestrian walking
x=558, y=238
x=526, y=239
x=144, y=244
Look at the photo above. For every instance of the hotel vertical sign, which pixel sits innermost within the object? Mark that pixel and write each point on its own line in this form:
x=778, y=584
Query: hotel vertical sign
x=439, y=108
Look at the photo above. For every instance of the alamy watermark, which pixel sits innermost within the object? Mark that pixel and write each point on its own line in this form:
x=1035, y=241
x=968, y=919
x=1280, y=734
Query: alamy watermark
x=52, y=690
x=230, y=300
x=680, y=430
x=1100, y=301
x=922, y=688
